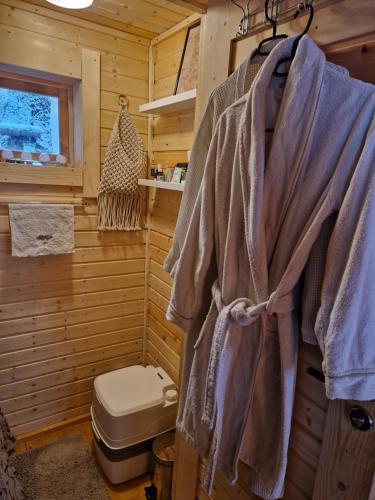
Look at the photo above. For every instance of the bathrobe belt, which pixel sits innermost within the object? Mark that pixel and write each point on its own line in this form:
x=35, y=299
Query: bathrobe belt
x=243, y=312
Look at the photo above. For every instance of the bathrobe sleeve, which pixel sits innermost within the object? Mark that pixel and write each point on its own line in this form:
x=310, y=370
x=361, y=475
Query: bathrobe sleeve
x=196, y=269
x=313, y=281
x=345, y=325
x=194, y=177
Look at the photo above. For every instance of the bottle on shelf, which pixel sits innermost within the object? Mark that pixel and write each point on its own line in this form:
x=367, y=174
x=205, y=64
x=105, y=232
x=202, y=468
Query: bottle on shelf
x=160, y=174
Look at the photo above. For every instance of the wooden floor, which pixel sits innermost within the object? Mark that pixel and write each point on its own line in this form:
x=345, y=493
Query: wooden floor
x=132, y=490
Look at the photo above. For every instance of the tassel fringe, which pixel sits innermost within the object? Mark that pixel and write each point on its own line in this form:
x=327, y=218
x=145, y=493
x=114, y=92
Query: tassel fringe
x=119, y=212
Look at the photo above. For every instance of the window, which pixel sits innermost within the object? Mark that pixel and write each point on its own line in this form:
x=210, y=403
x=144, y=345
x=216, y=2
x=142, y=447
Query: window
x=34, y=121
x=34, y=117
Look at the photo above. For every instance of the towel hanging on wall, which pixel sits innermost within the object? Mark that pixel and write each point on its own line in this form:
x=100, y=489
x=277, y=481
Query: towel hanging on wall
x=41, y=229
x=120, y=197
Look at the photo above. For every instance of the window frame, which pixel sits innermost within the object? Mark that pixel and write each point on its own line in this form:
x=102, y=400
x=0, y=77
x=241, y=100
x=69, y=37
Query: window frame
x=63, y=91
x=81, y=71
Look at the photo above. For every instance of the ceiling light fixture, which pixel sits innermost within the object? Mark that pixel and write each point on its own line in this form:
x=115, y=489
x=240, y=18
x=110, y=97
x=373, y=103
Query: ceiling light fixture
x=72, y=4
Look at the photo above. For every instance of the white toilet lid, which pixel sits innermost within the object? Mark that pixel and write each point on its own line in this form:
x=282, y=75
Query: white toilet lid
x=132, y=389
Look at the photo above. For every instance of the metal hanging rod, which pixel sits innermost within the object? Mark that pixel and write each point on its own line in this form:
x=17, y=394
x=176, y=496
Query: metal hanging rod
x=291, y=5
x=284, y=14
x=76, y=203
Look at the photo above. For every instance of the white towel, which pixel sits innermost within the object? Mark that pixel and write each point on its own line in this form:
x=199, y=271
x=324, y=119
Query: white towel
x=41, y=229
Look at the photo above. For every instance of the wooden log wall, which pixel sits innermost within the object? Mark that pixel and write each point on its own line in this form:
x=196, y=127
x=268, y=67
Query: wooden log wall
x=65, y=319
x=172, y=137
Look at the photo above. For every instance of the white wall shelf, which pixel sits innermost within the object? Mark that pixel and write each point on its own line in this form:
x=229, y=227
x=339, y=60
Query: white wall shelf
x=174, y=186
x=170, y=104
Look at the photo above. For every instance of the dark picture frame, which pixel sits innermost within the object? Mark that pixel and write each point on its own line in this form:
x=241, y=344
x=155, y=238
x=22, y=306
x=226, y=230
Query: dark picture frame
x=187, y=76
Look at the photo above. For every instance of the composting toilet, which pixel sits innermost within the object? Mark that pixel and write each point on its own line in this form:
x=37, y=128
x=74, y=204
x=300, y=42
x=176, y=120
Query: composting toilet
x=130, y=407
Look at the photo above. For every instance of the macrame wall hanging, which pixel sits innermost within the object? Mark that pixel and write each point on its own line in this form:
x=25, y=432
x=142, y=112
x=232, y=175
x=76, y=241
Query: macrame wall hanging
x=120, y=196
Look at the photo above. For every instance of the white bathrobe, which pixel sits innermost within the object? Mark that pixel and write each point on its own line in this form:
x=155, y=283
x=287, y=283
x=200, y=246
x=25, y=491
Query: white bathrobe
x=258, y=214
x=233, y=88
x=228, y=92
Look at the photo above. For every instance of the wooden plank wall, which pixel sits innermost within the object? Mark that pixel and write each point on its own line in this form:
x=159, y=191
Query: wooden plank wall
x=172, y=136
x=65, y=319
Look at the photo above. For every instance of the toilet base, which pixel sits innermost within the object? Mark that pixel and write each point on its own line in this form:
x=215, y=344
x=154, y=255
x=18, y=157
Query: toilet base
x=123, y=464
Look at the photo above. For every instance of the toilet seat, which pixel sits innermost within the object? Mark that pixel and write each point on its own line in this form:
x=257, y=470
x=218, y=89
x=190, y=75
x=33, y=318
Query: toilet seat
x=133, y=389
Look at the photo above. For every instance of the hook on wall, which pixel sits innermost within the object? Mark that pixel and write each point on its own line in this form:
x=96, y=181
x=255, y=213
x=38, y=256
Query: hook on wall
x=244, y=26
x=123, y=100
x=305, y=5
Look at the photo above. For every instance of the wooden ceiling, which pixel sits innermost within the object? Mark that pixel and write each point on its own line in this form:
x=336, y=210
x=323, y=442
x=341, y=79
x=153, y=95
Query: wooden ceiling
x=151, y=15
x=142, y=17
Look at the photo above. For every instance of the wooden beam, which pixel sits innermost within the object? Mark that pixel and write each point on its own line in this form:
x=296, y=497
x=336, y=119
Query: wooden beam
x=53, y=176
x=148, y=201
x=185, y=471
x=178, y=27
x=91, y=121
x=194, y=5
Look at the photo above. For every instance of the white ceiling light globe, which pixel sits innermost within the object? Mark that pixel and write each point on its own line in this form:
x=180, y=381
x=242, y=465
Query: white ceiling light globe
x=72, y=4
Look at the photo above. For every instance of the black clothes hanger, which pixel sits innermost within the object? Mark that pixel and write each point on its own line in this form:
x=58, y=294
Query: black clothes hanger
x=273, y=22
x=301, y=7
